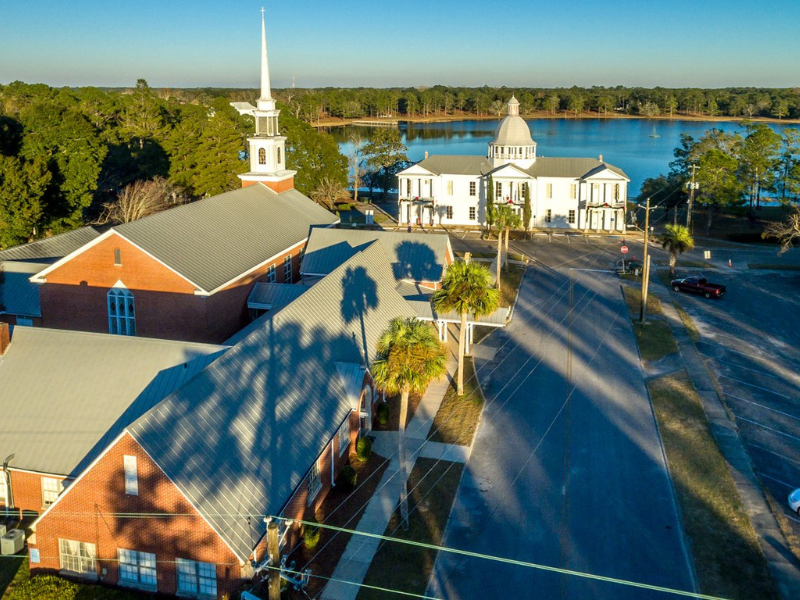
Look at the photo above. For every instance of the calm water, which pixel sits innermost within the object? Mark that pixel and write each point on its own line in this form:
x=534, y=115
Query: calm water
x=625, y=143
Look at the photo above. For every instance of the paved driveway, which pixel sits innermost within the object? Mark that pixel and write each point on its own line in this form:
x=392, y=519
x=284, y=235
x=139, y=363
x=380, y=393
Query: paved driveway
x=567, y=470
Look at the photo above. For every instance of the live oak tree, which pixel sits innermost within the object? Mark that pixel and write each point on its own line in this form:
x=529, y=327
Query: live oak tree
x=385, y=155
x=786, y=232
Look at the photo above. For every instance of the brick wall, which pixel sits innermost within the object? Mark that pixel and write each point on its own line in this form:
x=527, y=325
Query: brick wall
x=27, y=489
x=88, y=513
x=75, y=295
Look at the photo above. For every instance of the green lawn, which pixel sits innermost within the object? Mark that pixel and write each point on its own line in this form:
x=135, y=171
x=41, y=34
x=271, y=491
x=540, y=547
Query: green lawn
x=655, y=339
x=458, y=417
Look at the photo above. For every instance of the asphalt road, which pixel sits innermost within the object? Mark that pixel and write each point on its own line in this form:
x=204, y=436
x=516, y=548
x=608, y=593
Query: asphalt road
x=567, y=469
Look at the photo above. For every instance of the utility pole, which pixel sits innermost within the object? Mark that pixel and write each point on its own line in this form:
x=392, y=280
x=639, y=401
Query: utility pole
x=692, y=187
x=645, y=263
x=273, y=548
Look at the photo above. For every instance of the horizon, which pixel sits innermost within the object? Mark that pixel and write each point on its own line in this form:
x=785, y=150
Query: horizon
x=202, y=45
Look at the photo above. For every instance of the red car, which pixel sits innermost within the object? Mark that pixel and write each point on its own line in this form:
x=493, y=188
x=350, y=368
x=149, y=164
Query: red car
x=698, y=285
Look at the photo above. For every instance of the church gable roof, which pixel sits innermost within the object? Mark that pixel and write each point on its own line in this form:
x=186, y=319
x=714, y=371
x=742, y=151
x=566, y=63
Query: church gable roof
x=50, y=249
x=214, y=241
x=240, y=437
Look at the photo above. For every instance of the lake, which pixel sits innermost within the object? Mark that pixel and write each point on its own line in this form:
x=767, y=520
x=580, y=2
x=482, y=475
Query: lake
x=625, y=143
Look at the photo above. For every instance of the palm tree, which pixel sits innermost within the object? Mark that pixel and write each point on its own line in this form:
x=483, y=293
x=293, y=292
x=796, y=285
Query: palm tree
x=466, y=289
x=409, y=357
x=676, y=239
x=504, y=218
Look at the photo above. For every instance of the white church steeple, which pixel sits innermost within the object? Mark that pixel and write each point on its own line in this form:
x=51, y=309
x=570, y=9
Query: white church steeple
x=267, y=147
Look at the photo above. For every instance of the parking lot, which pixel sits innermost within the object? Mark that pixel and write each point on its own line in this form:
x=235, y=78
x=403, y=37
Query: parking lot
x=751, y=339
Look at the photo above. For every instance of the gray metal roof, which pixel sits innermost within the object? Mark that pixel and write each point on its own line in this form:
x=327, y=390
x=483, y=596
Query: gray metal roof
x=65, y=395
x=456, y=165
x=49, y=250
x=18, y=296
x=215, y=240
x=414, y=256
x=274, y=296
x=240, y=437
x=512, y=130
x=546, y=166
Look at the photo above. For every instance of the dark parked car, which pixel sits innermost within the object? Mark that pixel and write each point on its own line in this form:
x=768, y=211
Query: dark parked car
x=698, y=285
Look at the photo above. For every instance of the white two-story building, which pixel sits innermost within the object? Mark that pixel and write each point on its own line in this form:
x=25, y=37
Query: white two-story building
x=565, y=193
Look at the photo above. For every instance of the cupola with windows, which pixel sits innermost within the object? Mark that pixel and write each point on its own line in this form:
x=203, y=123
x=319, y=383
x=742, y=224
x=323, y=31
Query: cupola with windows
x=512, y=142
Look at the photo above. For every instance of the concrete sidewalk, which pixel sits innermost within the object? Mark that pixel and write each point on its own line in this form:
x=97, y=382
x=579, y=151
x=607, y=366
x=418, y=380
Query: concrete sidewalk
x=782, y=563
x=357, y=557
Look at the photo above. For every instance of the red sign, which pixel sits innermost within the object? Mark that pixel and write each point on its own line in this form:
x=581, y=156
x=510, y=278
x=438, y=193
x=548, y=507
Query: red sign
x=624, y=249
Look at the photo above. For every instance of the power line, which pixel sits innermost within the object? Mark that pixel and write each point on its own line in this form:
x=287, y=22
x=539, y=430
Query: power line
x=516, y=562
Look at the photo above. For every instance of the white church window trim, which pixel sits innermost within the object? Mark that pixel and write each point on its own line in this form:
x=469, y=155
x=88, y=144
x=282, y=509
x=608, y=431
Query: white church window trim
x=121, y=310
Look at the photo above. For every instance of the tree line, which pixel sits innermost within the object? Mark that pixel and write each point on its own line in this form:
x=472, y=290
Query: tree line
x=731, y=170
x=312, y=105
x=68, y=155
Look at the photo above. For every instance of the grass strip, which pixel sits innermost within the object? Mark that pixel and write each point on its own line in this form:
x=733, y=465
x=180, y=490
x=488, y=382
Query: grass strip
x=655, y=339
x=728, y=559
x=688, y=323
x=408, y=568
x=633, y=298
x=458, y=416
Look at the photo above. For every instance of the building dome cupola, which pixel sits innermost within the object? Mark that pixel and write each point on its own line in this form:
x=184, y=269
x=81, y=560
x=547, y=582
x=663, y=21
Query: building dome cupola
x=512, y=142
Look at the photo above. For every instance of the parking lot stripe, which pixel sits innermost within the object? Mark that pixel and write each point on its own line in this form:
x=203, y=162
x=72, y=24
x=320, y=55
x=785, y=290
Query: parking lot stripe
x=762, y=406
x=768, y=428
x=730, y=362
x=788, y=485
x=758, y=387
x=763, y=449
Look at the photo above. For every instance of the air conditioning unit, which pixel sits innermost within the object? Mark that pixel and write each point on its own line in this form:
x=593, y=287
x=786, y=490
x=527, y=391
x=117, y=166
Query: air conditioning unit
x=12, y=542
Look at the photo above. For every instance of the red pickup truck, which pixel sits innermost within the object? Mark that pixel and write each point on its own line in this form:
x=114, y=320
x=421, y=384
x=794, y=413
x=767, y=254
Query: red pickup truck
x=698, y=285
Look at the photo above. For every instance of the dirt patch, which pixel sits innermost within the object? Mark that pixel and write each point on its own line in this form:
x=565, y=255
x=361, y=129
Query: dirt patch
x=458, y=416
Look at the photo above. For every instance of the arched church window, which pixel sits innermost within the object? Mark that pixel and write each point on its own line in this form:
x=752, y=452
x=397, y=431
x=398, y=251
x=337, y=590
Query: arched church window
x=262, y=156
x=121, y=311
x=279, y=156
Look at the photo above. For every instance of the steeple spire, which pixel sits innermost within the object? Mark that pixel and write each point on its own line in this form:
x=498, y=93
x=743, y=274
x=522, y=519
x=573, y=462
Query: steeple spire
x=265, y=102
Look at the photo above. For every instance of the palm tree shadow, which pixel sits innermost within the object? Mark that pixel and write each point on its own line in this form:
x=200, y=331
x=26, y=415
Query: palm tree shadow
x=359, y=295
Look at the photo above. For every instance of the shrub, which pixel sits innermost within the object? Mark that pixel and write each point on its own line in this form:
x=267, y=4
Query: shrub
x=364, y=448
x=45, y=587
x=311, y=535
x=348, y=478
x=382, y=413
x=344, y=206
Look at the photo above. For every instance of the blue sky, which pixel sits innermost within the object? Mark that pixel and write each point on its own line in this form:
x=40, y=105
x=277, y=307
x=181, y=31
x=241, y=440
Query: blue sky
x=176, y=43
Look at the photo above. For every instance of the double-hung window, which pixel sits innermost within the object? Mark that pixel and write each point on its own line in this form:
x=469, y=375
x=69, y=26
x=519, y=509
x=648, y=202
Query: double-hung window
x=121, y=312
x=344, y=436
x=573, y=191
x=271, y=277
x=548, y=217
x=571, y=217
x=51, y=488
x=498, y=189
x=77, y=557
x=449, y=212
x=131, y=475
x=549, y=190
x=137, y=568
x=197, y=578
x=473, y=188
x=450, y=188
x=314, y=482
x=473, y=213
x=287, y=269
